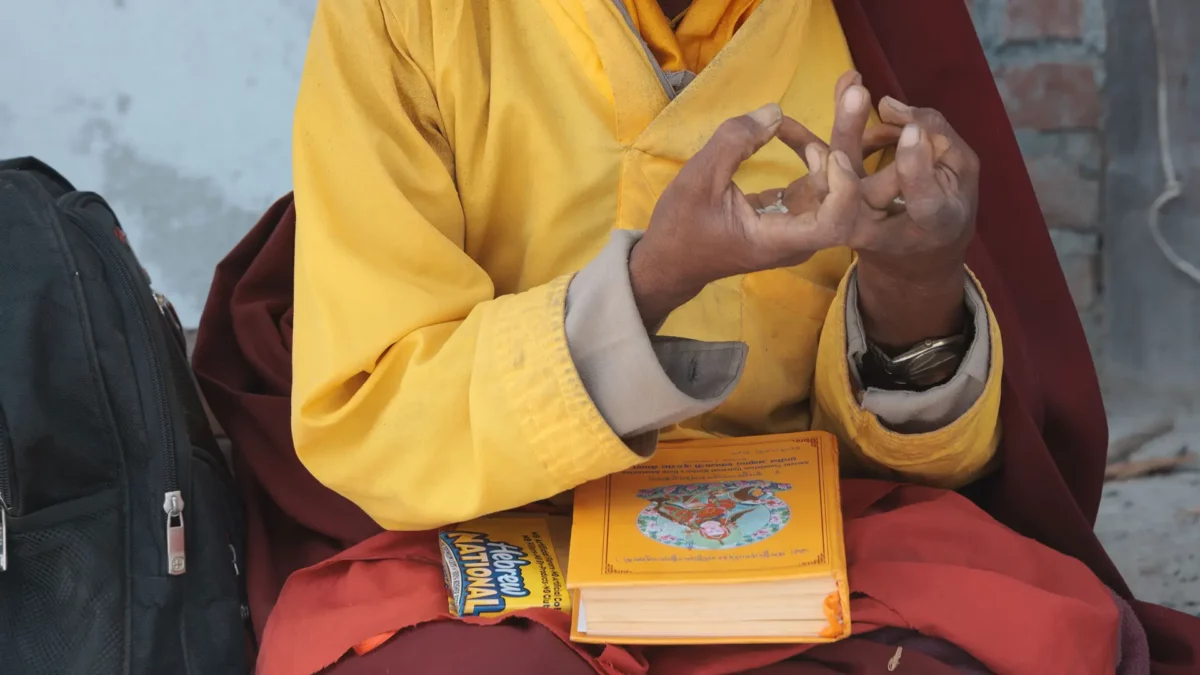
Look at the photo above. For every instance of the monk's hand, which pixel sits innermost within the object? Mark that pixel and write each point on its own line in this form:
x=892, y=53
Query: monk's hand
x=913, y=220
x=851, y=136
x=912, y=248
x=922, y=206
x=704, y=228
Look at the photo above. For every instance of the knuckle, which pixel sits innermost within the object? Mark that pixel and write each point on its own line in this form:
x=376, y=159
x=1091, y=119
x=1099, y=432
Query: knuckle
x=734, y=131
x=932, y=118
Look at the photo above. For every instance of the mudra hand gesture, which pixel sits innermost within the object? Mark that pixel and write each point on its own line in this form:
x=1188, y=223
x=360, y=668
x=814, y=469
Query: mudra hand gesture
x=910, y=222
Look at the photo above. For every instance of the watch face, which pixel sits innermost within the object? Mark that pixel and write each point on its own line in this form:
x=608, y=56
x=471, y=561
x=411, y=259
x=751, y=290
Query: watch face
x=928, y=365
x=935, y=366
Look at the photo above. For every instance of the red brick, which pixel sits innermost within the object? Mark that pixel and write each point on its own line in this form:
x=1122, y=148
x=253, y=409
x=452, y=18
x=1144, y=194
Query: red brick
x=1040, y=19
x=1068, y=199
x=1051, y=96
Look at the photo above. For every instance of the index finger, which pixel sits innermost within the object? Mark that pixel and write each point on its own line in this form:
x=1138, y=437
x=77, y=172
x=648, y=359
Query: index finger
x=733, y=143
x=850, y=122
x=797, y=136
x=847, y=80
x=930, y=195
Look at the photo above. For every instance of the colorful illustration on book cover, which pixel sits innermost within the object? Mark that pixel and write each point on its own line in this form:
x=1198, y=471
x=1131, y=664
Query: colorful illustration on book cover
x=714, y=515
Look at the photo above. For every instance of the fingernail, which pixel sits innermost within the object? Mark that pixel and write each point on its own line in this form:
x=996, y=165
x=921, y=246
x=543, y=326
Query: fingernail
x=814, y=158
x=842, y=160
x=910, y=136
x=896, y=105
x=768, y=116
x=854, y=99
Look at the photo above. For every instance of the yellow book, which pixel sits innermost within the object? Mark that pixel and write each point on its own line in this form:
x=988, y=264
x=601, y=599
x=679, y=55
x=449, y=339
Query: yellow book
x=713, y=541
x=502, y=564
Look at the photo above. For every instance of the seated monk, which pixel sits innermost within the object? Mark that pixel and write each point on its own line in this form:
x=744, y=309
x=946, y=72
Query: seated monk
x=533, y=238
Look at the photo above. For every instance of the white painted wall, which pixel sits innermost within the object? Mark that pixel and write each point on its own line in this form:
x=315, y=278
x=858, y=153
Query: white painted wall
x=179, y=113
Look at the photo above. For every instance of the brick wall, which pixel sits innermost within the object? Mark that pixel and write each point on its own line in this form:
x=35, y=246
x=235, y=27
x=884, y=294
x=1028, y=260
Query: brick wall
x=1048, y=59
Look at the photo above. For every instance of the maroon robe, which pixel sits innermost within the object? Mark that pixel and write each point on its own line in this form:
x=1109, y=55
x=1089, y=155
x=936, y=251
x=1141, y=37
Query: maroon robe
x=1054, y=445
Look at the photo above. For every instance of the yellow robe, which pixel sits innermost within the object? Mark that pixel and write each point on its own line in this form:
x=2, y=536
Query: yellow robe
x=457, y=161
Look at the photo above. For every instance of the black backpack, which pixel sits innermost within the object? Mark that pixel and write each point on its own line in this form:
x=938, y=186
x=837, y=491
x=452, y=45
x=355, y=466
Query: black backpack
x=120, y=526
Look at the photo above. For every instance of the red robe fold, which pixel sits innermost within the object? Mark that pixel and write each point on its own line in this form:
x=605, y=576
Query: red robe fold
x=921, y=558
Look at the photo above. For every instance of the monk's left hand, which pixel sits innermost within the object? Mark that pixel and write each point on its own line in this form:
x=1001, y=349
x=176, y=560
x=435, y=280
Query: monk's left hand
x=913, y=220
x=922, y=232
x=911, y=272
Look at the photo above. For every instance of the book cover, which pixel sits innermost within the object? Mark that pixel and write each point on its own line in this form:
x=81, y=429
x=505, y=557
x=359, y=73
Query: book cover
x=503, y=564
x=737, y=510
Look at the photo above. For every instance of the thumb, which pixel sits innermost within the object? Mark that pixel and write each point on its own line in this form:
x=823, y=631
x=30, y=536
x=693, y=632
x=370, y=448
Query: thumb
x=733, y=143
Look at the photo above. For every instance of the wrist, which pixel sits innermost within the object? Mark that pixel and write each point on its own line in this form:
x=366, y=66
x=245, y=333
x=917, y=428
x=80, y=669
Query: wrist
x=901, y=310
x=658, y=286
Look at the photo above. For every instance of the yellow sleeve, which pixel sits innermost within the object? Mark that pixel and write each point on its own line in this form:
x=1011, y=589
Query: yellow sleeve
x=949, y=457
x=418, y=394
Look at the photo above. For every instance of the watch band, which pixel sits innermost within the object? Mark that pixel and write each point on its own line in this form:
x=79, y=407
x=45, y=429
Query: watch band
x=924, y=366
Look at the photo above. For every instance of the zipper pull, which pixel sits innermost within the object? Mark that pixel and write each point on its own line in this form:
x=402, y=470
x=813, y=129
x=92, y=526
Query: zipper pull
x=238, y=572
x=176, y=554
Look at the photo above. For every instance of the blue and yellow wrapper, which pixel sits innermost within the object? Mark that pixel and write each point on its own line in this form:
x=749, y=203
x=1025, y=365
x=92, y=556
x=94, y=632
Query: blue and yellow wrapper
x=504, y=564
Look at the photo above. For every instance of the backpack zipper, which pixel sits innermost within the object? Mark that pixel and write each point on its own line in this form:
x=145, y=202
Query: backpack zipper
x=173, y=501
x=237, y=573
x=8, y=489
x=3, y=536
x=172, y=495
x=176, y=543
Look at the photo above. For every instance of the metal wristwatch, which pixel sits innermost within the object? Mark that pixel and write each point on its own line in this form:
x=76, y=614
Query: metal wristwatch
x=925, y=365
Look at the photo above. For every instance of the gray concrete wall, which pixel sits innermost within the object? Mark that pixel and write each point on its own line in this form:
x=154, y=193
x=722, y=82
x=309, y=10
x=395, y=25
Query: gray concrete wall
x=1153, y=310
x=178, y=112
x=1048, y=58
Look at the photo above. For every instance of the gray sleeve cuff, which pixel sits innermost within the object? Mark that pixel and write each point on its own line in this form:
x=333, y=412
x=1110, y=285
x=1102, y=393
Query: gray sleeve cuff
x=925, y=411
x=640, y=383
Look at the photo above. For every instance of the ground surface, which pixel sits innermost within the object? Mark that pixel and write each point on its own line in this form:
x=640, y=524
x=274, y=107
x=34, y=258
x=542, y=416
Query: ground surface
x=1151, y=528
x=1151, y=525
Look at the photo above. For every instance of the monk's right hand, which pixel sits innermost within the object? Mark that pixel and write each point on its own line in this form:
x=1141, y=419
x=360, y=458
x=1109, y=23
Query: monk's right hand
x=704, y=228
